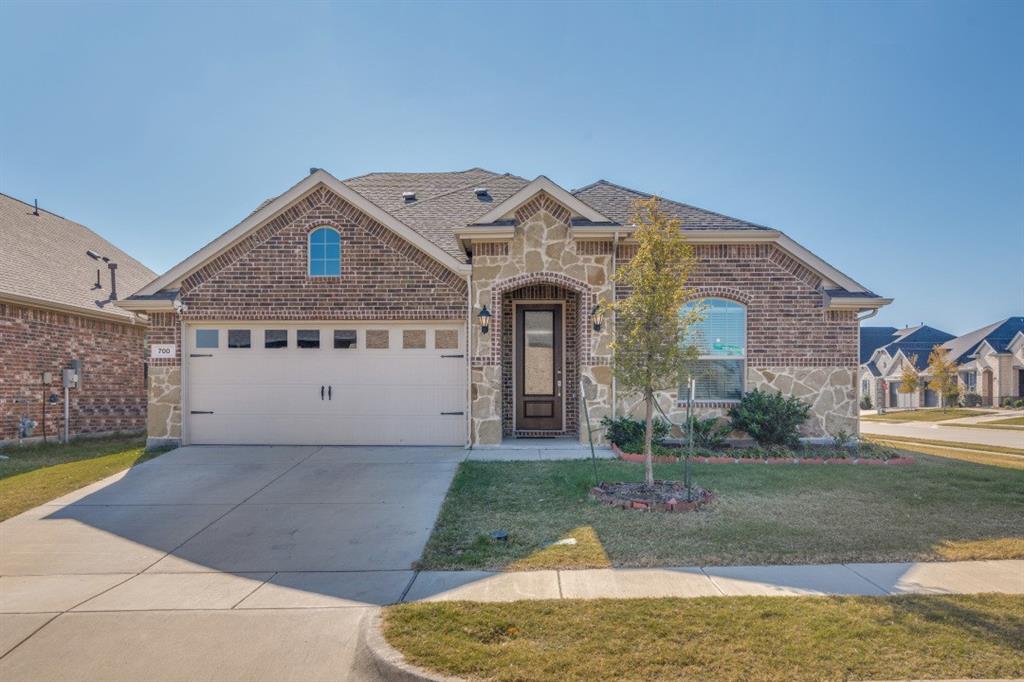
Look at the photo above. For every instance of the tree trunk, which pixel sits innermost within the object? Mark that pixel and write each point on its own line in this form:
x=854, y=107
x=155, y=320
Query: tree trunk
x=648, y=438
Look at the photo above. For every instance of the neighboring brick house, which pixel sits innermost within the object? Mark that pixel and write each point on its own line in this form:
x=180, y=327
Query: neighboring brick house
x=55, y=308
x=459, y=308
x=885, y=352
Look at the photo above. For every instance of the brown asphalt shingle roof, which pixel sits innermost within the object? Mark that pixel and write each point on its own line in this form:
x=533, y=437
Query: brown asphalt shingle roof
x=447, y=200
x=44, y=259
x=616, y=202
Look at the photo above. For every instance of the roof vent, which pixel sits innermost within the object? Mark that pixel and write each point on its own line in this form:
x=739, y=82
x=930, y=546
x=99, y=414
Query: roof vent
x=409, y=196
x=481, y=191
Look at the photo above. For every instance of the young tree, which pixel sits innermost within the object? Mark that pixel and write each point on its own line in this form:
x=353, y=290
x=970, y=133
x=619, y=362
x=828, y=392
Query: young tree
x=943, y=373
x=650, y=326
x=909, y=381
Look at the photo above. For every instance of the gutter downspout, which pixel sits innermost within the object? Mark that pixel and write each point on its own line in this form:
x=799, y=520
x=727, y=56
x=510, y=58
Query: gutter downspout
x=871, y=313
x=615, y=253
x=469, y=360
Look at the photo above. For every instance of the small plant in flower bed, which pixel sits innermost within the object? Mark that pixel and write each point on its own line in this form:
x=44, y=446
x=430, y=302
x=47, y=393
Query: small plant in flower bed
x=770, y=418
x=625, y=431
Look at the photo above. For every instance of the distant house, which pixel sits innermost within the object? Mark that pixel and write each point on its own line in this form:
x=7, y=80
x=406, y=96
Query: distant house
x=56, y=306
x=990, y=360
x=885, y=352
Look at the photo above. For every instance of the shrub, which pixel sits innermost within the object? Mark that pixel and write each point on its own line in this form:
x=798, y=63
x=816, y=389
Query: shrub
x=627, y=432
x=972, y=400
x=865, y=403
x=709, y=432
x=770, y=418
x=1019, y=403
x=842, y=439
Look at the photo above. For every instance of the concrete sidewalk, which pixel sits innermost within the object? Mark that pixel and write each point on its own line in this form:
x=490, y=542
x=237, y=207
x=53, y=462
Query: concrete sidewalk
x=959, y=577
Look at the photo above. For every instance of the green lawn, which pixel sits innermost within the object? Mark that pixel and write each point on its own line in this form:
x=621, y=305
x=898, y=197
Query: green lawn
x=35, y=474
x=716, y=638
x=925, y=415
x=784, y=514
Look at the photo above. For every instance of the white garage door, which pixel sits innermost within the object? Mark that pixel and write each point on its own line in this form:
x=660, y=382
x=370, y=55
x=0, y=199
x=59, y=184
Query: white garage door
x=326, y=383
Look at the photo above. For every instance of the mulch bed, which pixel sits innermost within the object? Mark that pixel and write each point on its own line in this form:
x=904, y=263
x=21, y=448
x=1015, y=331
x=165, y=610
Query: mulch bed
x=663, y=496
x=667, y=459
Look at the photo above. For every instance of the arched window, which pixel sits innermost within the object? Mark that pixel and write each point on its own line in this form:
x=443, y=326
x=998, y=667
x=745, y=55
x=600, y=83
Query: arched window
x=324, y=252
x=721, y=341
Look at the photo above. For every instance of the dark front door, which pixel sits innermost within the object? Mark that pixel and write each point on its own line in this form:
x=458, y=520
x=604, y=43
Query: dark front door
x=538, y=367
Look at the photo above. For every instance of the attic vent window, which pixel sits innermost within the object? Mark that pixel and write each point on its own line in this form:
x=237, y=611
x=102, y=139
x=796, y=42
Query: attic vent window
x=409, y=196
x=482, y=192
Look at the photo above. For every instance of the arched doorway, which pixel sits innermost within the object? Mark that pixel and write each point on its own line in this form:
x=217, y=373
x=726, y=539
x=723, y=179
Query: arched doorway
x=986, y=387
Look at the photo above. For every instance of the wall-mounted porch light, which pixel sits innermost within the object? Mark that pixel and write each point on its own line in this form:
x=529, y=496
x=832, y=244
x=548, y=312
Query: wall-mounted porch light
x=484, y=317
x=596, y=316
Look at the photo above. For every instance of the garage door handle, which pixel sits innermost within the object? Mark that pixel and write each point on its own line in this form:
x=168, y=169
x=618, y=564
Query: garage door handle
x=321, y=393
x=200, y=355
x=200, y=411
x=447, y=413
x=328, y=392
x=459, y=355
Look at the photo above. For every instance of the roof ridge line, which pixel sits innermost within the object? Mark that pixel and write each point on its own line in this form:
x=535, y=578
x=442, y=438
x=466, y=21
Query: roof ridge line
x=673, y=201
x=38, y=208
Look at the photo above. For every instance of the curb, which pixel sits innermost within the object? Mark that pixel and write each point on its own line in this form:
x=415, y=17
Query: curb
x=378, y=660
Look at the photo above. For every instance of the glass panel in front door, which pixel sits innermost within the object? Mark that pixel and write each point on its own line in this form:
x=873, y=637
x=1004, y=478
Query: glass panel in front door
x=538, y=352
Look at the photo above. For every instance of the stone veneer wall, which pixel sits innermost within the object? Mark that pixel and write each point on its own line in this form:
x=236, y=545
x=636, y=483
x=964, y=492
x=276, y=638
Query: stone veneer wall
x=541, y=253
x=112, y=396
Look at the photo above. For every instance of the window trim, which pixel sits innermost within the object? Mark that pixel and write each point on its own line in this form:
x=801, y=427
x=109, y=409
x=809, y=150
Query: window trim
x=742, y=359
x=309, y=250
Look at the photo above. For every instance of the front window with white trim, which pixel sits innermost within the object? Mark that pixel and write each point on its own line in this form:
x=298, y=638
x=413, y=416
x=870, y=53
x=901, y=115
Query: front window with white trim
x=721, y=340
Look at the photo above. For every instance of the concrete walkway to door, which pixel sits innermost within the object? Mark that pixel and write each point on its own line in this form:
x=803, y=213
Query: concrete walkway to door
x=217, y=563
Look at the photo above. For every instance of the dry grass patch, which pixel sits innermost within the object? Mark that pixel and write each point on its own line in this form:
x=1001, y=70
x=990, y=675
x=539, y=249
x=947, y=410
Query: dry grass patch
x=579, y=548
x=763, y=515
x=1007, y=461
x=736, y=638
x=925, y=415
x=35, y=474
x=978, y=550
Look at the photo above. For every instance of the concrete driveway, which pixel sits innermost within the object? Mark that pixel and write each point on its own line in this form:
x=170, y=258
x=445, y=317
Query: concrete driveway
x=217, y=563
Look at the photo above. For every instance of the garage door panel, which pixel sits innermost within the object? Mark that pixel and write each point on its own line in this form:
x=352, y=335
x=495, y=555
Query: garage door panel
x=388, y=397
x=226, y=429
x=350, y=400
x=324, y=368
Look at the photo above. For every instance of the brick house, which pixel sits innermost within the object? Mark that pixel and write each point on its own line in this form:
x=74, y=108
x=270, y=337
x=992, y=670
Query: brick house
x=57, y=305
x=450, y=308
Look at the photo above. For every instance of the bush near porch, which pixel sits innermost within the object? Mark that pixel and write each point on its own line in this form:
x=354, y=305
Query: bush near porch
x=938, y=509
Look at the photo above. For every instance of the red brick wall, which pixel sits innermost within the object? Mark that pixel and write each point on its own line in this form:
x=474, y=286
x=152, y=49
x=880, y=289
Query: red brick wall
x=382, y=276
x=787, y=324
x=33, y=341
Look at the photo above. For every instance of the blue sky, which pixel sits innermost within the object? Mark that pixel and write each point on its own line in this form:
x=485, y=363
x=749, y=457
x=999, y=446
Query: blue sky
x=886, y=138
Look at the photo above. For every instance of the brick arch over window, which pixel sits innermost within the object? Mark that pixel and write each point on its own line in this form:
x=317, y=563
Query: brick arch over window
x=728, y=293
x=584, y=290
